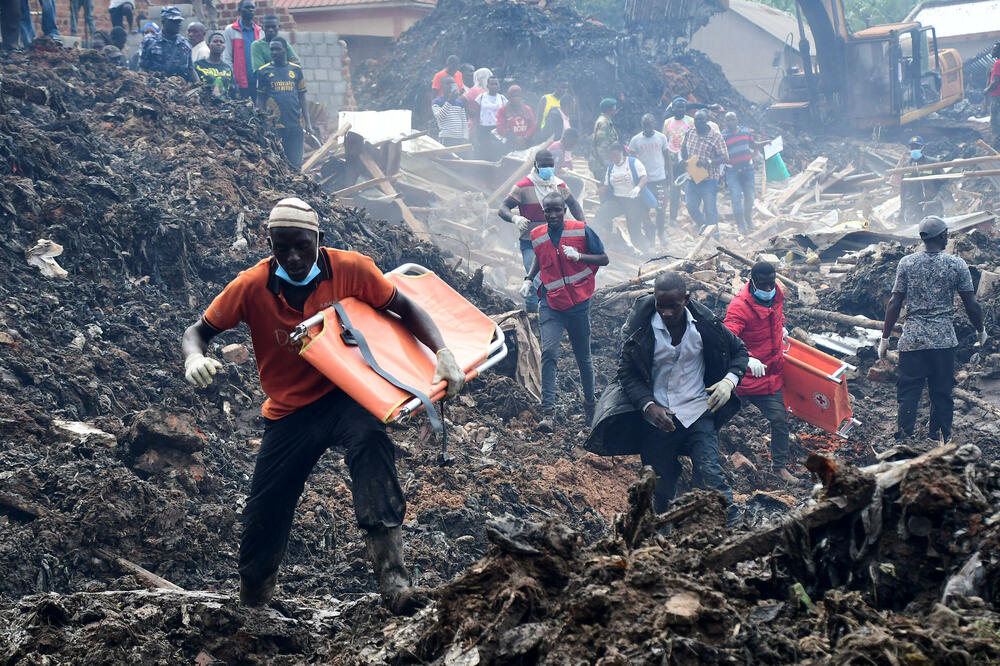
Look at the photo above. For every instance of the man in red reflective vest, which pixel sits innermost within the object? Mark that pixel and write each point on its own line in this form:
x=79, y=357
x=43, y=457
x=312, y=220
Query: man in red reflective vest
x=567, y=254
x=756, y=316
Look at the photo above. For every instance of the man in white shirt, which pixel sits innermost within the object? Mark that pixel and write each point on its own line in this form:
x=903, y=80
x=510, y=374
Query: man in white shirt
x=620, y=190
x=653, y=150
x=674, y=389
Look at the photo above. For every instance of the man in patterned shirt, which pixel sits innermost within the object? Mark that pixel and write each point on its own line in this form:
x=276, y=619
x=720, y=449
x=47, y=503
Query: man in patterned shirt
x=709, y=147
x=928, y=281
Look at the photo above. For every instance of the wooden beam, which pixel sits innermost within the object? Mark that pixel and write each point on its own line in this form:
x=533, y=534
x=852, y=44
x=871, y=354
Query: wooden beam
x=957, y=176
x=462, y=147
x=518, y=174
x=408, y=217
x=943, y=165
x=143, y=574
x=327, y=145
x=358, y=188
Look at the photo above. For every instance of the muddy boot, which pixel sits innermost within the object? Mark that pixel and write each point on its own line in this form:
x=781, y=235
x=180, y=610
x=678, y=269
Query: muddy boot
x=385, y=547
x=588, y=412
x=785, y=475
x=548, y=422
x=255, y=595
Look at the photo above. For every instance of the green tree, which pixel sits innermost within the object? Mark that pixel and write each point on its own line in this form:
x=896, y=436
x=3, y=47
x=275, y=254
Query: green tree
x=608, y=12
x=861, y=13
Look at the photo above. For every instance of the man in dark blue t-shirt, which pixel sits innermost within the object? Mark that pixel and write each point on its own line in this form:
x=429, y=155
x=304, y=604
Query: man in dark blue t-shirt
x=281, y=91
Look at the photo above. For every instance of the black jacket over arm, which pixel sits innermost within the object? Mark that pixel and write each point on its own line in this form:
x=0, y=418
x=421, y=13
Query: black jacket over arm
x=620, y=408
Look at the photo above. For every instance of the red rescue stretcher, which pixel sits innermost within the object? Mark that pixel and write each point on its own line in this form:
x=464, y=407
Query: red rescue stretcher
x=373, y=358
x=815, y=389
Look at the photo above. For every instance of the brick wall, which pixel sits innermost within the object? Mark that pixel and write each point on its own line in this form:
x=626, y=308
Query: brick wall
x=228, y=13
x=322, y=54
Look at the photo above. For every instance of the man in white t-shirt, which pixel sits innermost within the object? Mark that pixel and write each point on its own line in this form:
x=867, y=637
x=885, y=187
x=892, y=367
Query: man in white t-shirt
x=622, y=185
x=675, y=127
x=653, y=150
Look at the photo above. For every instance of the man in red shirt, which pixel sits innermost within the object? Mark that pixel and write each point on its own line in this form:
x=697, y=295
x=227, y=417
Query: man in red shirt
x=305, y=413
x=756, y=317
x=450, y=69
x=992, y=93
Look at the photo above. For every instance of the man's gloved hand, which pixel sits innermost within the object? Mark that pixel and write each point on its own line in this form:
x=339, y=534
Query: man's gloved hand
x=634, y=192
x=981, y=336
x=522, y=223
x=525, y=289
x=571, y=252
x=757, y=369
x=719, y=394
x=784, y=335
x=447, y=370
x=883, y=347
x=198, y=369
x=660, y=416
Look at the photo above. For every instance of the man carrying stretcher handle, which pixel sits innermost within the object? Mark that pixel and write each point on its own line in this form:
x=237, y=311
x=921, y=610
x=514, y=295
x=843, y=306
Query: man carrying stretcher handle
x=305, y=412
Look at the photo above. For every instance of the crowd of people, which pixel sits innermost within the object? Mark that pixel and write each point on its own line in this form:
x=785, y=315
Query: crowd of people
x=640, y=175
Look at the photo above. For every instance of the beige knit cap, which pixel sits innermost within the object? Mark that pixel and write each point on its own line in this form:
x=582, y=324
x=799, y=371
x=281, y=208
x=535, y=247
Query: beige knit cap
x=293, y=212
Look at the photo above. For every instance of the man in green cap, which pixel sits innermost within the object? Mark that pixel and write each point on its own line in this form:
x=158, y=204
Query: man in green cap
x=605, y=135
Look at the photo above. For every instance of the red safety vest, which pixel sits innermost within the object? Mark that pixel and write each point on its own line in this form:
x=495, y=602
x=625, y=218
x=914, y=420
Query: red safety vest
x=567, y=283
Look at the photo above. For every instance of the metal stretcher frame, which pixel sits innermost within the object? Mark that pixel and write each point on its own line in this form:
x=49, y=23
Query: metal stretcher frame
x=496, y=351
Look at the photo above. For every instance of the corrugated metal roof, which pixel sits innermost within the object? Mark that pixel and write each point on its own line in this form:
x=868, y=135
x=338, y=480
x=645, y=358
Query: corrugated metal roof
x=953, y=19
x=773, y=21
x=345, y=4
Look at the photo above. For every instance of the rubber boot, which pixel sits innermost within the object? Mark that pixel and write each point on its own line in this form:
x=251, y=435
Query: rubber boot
x=548, y=422
x=255, y=595
x=385, y=547
x=588, y=412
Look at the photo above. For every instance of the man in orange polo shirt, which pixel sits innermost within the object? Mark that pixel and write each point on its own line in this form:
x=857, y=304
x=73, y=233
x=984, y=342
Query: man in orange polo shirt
x=305, y=412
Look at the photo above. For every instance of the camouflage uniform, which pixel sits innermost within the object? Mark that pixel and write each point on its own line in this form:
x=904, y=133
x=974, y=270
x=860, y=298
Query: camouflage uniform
x=169, y=55
x=928, y=281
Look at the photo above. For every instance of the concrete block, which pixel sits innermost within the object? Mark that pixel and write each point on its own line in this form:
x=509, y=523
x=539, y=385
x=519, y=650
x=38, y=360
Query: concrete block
x=988, y=283
x=324, y=87
x=320, y=75
x=340, y=87
x=336, y=74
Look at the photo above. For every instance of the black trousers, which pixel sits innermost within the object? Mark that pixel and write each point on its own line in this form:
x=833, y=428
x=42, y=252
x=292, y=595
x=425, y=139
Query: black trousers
x=936, y=367
x=290, y=449
x=291, y=141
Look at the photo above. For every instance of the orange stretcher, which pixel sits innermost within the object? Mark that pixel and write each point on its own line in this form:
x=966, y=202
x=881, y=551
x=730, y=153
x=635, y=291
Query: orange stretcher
x=815, y=389
x=373, y=358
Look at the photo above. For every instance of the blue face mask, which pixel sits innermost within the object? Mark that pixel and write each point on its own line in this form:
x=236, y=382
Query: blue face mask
x=283, y=274
x=765, y=295
x=915, y=154
x=546, y=173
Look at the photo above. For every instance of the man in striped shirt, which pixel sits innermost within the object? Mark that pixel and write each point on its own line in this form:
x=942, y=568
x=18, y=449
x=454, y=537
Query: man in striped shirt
x=739, y=172
x=449, y=112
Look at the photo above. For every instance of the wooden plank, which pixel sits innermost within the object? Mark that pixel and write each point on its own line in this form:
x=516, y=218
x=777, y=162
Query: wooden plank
x=358, y=188
x=943, y=165
x=828, y=183
x=462, y=147
x=143, y=574
x=956, y=176
x=814, y=169
x=518, y=174
x=408, y=217
x=327, y=145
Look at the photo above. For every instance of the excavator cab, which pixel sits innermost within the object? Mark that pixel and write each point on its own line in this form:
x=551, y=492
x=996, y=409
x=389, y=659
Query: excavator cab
x=884, y=75
x=896, y=74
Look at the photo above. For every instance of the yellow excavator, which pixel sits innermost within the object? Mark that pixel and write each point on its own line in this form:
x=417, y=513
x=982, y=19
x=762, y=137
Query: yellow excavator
x=885, y=75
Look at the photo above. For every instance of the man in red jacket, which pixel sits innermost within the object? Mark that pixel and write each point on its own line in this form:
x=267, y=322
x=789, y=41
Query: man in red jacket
x=755, y=316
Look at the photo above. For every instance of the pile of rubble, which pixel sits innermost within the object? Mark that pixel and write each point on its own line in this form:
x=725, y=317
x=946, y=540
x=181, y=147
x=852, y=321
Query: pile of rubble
x=535, y=47
x=118, y=476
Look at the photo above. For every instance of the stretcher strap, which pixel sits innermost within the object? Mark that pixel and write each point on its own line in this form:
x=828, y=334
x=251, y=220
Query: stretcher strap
x=366, y=353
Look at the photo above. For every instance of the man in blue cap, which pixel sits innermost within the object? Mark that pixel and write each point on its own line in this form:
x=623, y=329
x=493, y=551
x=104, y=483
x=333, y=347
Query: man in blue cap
x=914, y=196
x=167, y=51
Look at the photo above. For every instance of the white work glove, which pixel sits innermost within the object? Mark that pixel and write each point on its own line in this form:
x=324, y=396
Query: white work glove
x=981, y=335
x=634, y=192
x=198, y=369
x=447, y=370
x=525, y=289
x=757, y=369
x=784, y=335
x=883, y=347
x=571, y=252
x=719, y=394
x=522, y=223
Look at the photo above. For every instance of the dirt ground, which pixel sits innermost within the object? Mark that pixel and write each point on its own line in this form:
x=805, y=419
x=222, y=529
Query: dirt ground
x=108, y=457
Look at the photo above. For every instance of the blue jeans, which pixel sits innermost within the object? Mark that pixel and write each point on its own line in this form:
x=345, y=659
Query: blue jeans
x=49, y=27
x=528, y=258
x=773, y=408
x=576, y=322
x=699, y=195
x=700, y=441
x=739, y=180
x=88, y=15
